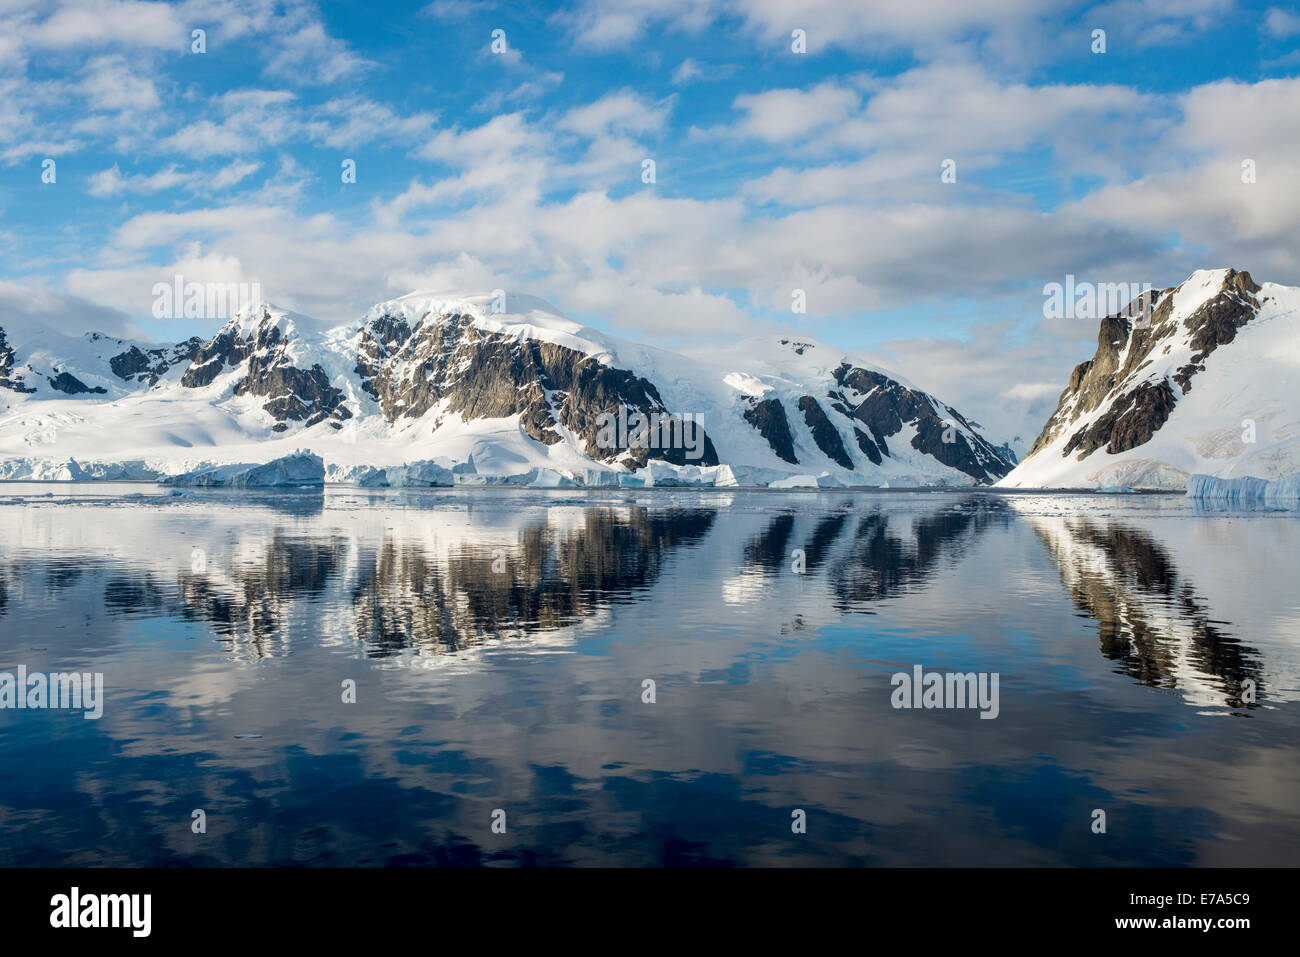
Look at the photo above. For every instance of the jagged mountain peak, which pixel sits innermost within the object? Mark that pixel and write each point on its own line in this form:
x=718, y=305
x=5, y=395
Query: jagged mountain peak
x=255, y=317
x=1182, y=387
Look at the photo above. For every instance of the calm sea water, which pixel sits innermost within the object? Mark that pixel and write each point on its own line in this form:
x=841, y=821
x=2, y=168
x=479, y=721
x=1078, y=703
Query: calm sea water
x=499, y=644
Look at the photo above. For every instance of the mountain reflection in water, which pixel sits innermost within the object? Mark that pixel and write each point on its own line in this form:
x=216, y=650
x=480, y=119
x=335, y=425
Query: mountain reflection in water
x=500, y=642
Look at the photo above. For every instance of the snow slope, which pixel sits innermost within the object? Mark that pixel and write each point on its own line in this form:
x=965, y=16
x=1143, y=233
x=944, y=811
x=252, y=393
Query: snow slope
x=1234, y=410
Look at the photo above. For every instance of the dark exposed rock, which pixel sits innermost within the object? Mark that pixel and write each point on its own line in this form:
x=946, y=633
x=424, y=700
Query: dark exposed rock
x=1125, y=345
x=869, y=448
x=449, y=361
x=70, y=384
x=8, y=378
x=1217, y=322
x=885, y=405
x=1008, y=453
x=139, y=365
x=294, y=394
x=824, y=433
x=453, y=365
x=1130, y=421
x=225, y=349
x=300, y=395
x=768, y=417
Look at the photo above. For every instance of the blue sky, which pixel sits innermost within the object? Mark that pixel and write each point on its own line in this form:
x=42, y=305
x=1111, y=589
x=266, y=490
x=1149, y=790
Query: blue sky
x=775, y=170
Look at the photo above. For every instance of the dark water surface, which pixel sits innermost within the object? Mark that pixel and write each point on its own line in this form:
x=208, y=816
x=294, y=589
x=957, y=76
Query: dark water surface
x=499, y=641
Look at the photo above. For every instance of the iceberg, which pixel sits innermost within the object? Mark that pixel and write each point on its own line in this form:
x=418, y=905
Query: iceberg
x=425, y=473
x=300, y=468
x=422, y=474
x=1283, y=492
x=550, y=478
x=600, y=478
x=795, y=481
x=665, y=474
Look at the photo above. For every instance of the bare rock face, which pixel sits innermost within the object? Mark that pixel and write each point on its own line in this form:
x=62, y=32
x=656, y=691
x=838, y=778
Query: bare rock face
x=824, y=434
x=768, y=417
x=1126, y=344
x=69, y=384
x=883, y=406
x=148, y=366
x=8, y=378
x=449, y=363
x=295, y=395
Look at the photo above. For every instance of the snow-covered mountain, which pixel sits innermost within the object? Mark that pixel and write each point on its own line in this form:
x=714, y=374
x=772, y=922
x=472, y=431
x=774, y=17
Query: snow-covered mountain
x=1206, y=383
x=423, y=377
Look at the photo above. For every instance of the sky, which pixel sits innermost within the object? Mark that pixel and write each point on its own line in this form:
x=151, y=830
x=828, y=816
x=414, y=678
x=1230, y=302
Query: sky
x=797, y=146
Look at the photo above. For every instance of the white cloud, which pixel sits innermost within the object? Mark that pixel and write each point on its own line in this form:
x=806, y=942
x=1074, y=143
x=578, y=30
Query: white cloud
x=622, y=111
x=782, y=115
x=1278, y=23
x=309, y=54
x=616, y=24
x=100, y=23
x=111, y=182
x=1148, y=23
x=247, y=121
x=686, y=71
x=69, y=314
x=112, y=84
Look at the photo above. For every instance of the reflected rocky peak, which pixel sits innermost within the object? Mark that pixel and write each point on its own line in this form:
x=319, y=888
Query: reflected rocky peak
x=1150, y=619
x=549, y=580
x=874, y=553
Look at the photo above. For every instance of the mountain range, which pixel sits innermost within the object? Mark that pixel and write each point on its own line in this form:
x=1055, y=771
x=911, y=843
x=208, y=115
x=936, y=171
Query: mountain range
x=513, y=391
x=1202, y=380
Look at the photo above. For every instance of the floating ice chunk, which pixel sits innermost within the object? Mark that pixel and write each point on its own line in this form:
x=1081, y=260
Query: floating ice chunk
x=550, y=478
x=665, y=474
x=1211, y=488
x=423, y=474
x=726, y=477
x=301, y=468
x=794, y=481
